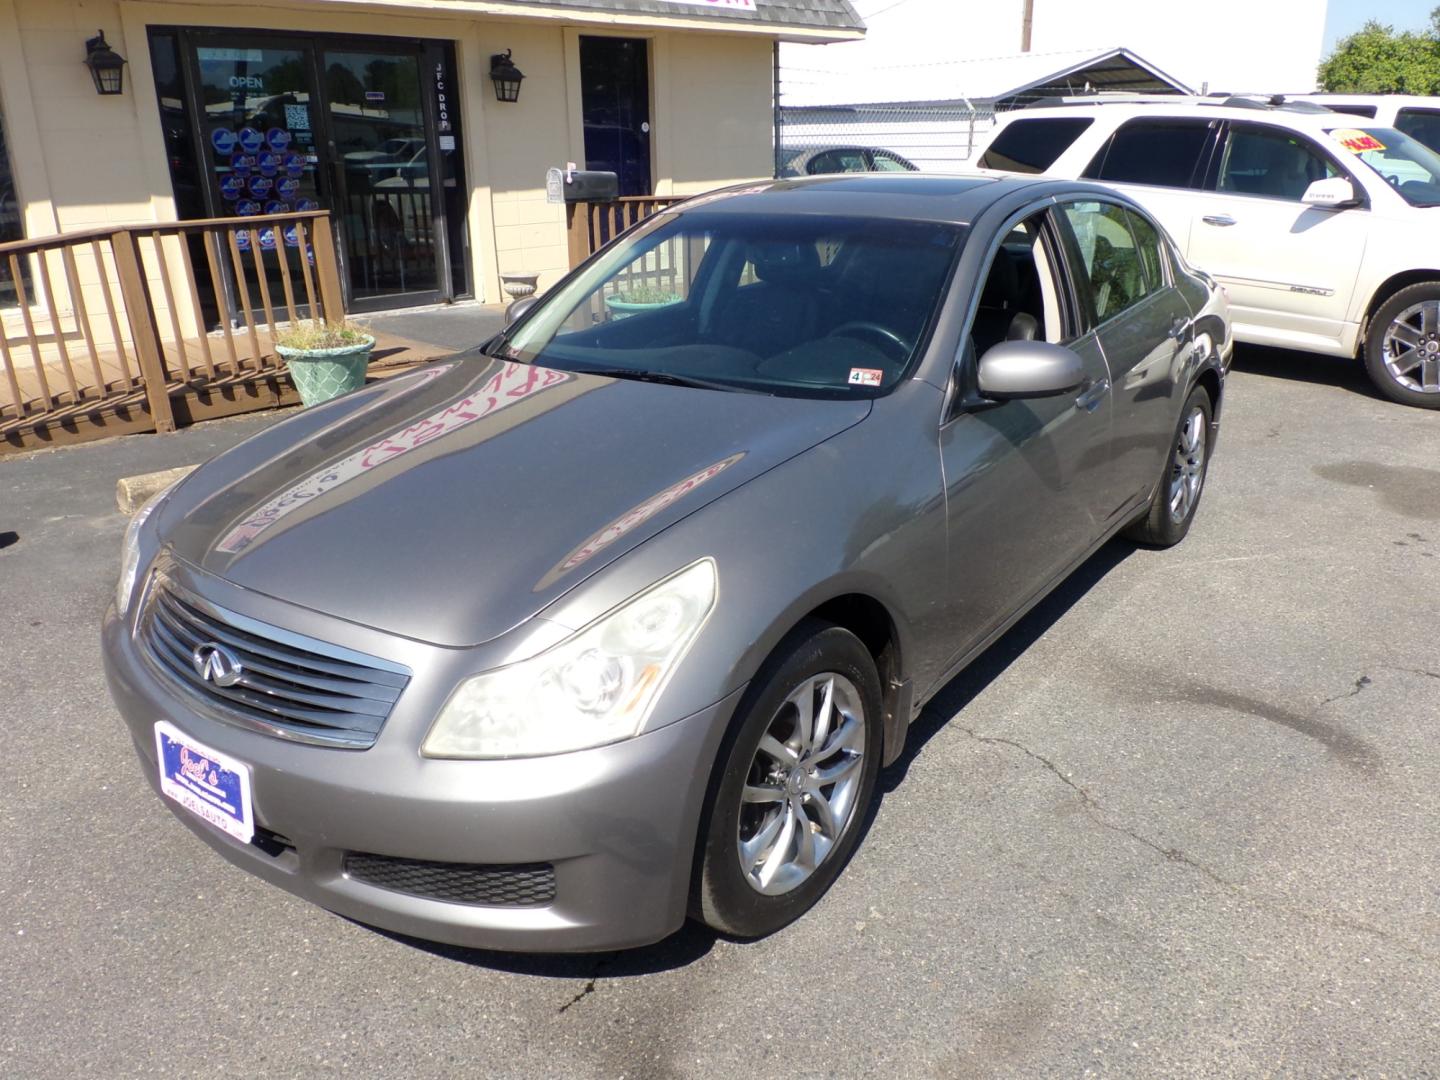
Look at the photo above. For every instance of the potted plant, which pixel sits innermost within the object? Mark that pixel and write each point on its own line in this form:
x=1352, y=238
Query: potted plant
x=325, y=359
x=637, y=298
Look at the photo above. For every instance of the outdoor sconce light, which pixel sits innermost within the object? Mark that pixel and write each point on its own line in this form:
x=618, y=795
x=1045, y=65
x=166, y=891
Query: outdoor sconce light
x=107, y=67
x=506, y=77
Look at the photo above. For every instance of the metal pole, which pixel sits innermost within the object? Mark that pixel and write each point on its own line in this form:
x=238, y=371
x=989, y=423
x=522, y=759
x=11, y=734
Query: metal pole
x=776, y=123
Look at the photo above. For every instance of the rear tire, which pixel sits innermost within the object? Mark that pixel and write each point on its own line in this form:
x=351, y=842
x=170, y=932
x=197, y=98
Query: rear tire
x=1182, y=482
x=1402, y=346
x=788, y=798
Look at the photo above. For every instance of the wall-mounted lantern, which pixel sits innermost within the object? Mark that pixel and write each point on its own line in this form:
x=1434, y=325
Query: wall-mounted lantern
x=107, y=67
x=506, y=77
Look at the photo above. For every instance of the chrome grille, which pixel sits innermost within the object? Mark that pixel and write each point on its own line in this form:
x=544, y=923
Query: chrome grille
x=291, y=686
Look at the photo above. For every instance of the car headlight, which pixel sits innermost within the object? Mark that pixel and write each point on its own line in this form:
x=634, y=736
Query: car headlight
x=595, y=687
x=130, y=549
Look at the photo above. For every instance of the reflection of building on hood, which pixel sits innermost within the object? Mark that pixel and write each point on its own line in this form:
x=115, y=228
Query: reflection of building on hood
x=511, y=384
x=633, y=519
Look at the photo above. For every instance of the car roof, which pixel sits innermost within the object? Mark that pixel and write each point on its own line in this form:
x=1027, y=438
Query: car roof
x=910, y=196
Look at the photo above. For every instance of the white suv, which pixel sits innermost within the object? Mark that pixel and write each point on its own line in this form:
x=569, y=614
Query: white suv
x=1324, y=228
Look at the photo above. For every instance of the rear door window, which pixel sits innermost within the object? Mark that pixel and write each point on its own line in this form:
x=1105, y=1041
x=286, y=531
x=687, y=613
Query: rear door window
x=1166, y=153
x=1106, y=261
x=1151, y=248
x=1032, y=146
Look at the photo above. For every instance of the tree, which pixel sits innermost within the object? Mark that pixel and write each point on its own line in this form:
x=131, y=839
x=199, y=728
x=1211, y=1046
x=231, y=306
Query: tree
x=1377, y=60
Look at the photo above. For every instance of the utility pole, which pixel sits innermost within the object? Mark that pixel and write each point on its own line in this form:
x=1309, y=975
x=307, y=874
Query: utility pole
x=1026, y=21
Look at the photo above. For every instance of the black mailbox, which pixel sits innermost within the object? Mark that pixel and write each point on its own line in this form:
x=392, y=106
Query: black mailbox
x=592, y=187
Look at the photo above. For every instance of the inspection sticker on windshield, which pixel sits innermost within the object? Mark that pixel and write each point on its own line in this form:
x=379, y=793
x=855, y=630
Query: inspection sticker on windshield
x=866, y=376
x=211, y=785
x=1356, y=141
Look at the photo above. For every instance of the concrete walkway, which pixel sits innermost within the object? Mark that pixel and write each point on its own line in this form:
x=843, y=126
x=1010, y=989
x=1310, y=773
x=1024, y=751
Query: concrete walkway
x=448, y=326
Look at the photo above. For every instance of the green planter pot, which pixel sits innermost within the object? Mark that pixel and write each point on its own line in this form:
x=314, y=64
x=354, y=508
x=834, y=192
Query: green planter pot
x=323, y=374
x=624, y=309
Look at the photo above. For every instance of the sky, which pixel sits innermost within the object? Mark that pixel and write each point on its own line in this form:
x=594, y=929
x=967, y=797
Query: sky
x=1344, y=17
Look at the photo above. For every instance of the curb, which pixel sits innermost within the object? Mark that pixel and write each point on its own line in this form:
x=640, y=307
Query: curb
x=132, y=492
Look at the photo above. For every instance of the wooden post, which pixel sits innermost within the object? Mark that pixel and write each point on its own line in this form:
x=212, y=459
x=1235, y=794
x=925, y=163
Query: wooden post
x=322, y=242
x=577, y=230
x=140, y=314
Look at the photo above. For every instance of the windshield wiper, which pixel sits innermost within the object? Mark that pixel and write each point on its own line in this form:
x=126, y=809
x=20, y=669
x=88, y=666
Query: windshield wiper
x=667, y=378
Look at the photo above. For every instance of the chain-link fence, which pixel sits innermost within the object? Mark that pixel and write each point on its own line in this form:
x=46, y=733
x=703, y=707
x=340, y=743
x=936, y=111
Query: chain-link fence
x=931, y=136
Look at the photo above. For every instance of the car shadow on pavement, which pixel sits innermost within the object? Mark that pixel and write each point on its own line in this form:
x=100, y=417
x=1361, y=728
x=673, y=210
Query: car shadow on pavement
x=992, y=663
x=686, y=945
x=1346, y=373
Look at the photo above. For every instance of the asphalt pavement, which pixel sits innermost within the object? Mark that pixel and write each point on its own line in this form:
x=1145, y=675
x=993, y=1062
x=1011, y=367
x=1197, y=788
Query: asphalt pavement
x=1180, y=822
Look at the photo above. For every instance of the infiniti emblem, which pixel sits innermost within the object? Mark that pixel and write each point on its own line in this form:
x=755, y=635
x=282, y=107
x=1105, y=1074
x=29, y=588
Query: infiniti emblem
x=216, y=664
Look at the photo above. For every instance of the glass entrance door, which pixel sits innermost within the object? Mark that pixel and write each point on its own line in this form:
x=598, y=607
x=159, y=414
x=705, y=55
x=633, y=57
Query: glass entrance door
x=381, y=163
x=356, y=126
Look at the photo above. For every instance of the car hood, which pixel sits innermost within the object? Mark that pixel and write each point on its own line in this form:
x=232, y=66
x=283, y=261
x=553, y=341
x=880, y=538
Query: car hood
x=451, y=504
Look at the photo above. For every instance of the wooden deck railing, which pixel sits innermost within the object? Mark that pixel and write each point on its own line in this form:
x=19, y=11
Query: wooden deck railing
x=141, y=327
x=593, y=225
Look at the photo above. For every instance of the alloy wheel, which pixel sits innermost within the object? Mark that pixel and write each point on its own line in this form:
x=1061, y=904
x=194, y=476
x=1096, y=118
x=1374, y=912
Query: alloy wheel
x=1412, y=347
x=801, y=790
x=1188, y=470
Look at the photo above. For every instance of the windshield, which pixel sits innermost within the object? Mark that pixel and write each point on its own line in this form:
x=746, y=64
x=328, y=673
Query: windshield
x=803, y=305
x=1409, y=166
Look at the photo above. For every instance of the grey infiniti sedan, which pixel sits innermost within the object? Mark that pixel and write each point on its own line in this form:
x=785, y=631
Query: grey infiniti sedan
x=617, y=618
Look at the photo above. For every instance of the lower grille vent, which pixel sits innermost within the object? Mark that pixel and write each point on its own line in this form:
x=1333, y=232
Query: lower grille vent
x=504, y=885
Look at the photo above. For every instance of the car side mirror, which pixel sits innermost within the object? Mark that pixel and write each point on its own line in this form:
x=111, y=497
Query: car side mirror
x=1028, y=369
x=1333, y=192
x=518, y=308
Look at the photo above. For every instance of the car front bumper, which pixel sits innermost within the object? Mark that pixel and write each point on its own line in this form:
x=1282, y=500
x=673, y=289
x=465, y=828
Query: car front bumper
x=617, y=823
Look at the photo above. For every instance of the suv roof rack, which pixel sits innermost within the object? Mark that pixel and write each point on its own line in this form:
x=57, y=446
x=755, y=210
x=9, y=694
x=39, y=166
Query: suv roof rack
x=1226, y=100
x=1269, y=101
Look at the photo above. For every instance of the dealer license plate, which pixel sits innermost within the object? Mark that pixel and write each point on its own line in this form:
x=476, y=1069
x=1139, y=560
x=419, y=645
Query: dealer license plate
x=211, y=785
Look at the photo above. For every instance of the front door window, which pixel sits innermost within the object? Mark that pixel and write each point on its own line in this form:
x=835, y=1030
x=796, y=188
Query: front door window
x=1271, y=164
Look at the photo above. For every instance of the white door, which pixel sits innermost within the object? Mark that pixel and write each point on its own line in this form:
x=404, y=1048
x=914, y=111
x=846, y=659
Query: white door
x=1290, y=269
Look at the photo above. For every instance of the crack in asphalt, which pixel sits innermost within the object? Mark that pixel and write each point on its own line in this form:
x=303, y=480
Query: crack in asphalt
x=1098, y=814
x=1360, y=684
x=588, y=989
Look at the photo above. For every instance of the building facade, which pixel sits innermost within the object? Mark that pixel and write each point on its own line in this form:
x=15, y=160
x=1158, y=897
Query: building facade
x=388, y=114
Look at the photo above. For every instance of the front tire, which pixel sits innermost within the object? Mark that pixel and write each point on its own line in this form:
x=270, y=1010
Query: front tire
x=1177, y=497
x=1402, y=346
x=792, y=784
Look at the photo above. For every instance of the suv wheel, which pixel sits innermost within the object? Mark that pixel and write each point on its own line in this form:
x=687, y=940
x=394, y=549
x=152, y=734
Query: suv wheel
x=1402, y=347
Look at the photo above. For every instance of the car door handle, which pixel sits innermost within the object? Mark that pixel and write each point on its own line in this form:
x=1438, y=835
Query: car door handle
x=1222, y=220
x=1091, y=398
